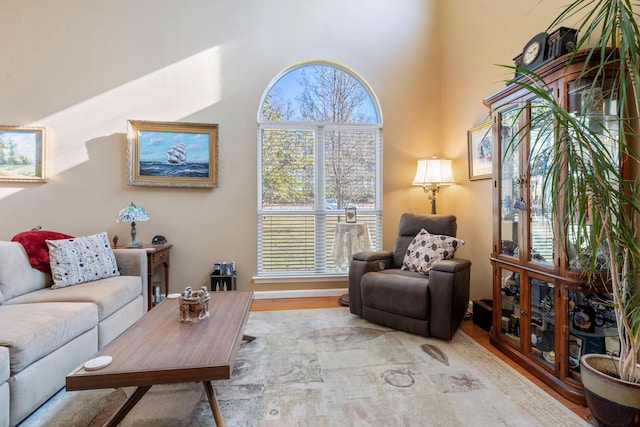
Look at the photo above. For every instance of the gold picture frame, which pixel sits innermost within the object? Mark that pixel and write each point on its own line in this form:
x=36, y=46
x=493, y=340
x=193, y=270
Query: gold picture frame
x=172, y=154
x=23, y=154
x=480, y=140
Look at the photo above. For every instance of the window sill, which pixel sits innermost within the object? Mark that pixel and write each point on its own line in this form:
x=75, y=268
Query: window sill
x=314, y=278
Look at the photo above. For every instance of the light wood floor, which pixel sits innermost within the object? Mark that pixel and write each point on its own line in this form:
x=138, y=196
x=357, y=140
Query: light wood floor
x=476, y=333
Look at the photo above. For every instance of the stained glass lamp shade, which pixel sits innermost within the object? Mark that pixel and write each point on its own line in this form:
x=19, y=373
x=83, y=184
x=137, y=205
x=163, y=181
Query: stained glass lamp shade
x=133, y=213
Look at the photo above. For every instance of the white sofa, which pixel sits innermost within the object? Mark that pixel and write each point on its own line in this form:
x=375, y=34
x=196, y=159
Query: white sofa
x=46, y=333
x=4, y=386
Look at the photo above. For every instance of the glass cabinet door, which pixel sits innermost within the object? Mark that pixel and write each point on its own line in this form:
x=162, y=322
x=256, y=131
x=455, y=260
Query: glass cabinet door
x=510, y=183
x=541, y=152
x=596, y=109
x=592, y=328
x=510, y=304
x=542, y=321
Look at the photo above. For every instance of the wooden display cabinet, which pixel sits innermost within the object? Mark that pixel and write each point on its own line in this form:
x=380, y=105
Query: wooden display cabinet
x=544, y=315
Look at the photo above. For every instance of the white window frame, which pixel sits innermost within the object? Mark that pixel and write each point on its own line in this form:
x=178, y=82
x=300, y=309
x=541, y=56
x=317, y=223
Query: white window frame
x=321, y=272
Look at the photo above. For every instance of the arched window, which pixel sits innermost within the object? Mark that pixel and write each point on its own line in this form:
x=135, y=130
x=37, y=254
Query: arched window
x=320, y=151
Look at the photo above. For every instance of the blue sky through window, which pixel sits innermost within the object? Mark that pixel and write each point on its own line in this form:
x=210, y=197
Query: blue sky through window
x=288, y=89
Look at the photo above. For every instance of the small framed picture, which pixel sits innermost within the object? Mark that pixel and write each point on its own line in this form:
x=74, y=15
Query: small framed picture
x=173, y=154
x=22, y=154
x=480, y=142
x=350, y=215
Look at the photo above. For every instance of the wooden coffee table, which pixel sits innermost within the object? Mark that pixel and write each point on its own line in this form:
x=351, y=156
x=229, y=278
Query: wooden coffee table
x=159, y=349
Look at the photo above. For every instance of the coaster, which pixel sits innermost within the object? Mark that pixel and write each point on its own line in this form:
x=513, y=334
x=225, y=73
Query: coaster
x=98, y=363
x=173, y=296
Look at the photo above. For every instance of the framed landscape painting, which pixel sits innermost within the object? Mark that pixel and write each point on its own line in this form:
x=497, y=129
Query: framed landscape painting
x=172, y=154
x=480, y=151
x=22, y=154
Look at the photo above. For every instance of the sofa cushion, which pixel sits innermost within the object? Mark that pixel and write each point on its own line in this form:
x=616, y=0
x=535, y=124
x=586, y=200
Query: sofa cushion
x=32, y=331
x=4, y=364
x=109, y=295
x=404, y=295
x=405, y=273
x=17, y=276
x=81, y=259
x=35, y=244
x=426, y=249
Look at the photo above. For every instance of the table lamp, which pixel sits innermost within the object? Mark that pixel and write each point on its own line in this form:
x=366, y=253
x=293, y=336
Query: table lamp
x=431, y=174
x=133, y=213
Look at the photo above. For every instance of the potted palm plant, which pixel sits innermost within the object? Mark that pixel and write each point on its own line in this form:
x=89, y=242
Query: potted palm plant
x=597, y=201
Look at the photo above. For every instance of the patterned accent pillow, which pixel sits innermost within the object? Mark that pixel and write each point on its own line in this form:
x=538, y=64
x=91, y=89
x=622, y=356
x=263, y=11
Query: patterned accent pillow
x=426, y=249
x=81, y=259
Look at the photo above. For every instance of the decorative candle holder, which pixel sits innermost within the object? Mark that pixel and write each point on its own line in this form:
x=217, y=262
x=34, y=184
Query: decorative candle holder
x=194, y=305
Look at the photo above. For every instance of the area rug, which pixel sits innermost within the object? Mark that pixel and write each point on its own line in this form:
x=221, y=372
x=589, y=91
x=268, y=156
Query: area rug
x=326, y=367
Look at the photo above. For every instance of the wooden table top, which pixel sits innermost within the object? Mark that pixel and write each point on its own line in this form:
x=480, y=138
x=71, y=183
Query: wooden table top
x=159, y=349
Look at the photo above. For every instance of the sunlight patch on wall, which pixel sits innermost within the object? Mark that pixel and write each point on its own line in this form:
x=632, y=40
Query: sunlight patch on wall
x=6, y=192
x=168, y=94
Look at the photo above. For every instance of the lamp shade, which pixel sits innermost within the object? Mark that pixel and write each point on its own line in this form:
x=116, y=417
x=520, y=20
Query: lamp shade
x=133, y=213
x=434, y=171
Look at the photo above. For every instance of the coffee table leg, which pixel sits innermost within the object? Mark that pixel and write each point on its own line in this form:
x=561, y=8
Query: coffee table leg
x=248, y=338
x=213, y=402
x=127, y=405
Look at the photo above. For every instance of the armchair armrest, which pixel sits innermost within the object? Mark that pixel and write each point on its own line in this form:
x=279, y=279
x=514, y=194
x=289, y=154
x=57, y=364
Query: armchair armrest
x=133, y=262
x=451, y=265
x=373, y=256
x=361, y=263
x=449, y=296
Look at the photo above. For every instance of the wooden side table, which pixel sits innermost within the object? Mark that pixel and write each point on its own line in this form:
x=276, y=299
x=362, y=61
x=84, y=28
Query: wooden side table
x=157, y=255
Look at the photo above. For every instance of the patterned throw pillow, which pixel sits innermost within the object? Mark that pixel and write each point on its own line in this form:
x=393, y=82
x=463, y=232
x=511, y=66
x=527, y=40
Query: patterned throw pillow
x=426, y=249
x=81, y=259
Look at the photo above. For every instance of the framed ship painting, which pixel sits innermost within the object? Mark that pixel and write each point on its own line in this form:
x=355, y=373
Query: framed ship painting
x=172, y=154
x=22, y=154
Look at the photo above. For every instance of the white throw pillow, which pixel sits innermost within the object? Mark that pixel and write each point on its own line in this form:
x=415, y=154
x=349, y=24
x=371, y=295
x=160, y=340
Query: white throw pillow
x=81, y=259
x=426, y=249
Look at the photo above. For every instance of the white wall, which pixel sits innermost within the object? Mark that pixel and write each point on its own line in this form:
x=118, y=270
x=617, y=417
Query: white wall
x=83, y=68
x=478, y=38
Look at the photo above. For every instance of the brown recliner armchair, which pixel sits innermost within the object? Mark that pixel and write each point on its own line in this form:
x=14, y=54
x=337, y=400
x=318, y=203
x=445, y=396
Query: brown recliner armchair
x=431, y=304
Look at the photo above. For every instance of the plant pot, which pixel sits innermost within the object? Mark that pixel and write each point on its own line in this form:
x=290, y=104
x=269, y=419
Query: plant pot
x=612, y=401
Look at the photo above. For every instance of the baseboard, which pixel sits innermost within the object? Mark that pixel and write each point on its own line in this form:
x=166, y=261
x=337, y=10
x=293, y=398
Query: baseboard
x=301, y=293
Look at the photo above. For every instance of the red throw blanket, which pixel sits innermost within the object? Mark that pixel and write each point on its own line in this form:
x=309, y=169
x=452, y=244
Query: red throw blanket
x=35, y=244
